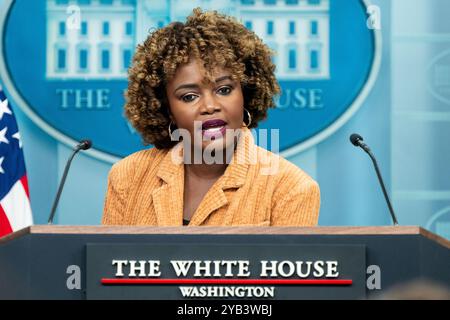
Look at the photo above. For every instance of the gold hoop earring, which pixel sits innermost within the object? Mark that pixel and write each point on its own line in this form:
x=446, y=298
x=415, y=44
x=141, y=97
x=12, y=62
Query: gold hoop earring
x=249, y=118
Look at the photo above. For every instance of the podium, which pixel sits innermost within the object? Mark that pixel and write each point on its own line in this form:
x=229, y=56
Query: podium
x=112, y=262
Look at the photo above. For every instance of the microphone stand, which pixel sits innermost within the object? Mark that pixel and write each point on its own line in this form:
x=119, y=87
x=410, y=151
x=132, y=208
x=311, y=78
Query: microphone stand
x=84, y=145
x=357, y=141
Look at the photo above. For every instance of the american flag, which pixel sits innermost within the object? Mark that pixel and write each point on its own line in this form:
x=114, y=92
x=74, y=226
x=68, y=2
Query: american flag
x=15, y=210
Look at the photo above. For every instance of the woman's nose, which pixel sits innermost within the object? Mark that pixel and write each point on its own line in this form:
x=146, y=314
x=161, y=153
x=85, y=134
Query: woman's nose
x=211, y=104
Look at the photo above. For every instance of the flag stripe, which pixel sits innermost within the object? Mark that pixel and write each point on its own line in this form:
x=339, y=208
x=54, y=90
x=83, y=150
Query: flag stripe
x=17, y=207
x=5, y=227
x=24, y=181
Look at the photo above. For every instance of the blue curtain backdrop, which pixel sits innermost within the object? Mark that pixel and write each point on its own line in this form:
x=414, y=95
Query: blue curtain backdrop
x=404, y=119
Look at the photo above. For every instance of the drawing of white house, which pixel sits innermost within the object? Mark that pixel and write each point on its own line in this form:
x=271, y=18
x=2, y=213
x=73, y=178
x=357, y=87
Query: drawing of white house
x=297, y=30
x=153, y=14
x=102, y=45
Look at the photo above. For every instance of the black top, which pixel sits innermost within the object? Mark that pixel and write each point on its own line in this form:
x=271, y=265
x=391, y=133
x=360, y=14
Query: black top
x=185, y=222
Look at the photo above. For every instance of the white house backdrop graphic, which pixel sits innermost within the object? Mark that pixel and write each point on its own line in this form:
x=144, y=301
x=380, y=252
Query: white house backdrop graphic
x=101, y=44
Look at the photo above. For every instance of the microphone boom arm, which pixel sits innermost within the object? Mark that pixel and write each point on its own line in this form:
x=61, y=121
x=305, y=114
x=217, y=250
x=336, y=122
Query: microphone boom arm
x=380, y=179
x=357, y=141
x=83, y=145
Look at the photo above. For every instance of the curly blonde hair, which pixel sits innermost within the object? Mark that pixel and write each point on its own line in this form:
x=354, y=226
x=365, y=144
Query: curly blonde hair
x=216, y=40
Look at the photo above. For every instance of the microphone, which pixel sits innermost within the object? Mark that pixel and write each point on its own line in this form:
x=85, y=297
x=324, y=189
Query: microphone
x=357, y=141
x=83, y=145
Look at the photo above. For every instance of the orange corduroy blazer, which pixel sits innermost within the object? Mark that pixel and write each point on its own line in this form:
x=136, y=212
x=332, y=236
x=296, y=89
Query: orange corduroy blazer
x=258, y=188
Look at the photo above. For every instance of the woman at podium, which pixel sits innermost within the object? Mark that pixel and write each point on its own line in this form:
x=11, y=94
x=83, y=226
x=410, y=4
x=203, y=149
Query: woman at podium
x=195, y=91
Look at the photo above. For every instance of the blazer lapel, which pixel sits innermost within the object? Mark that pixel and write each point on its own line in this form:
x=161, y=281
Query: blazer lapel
x=168, y=199
x=214, y=199
x=233, y=177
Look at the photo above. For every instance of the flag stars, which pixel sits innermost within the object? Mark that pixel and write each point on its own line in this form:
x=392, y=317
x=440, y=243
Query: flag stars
x=3, y=135
x=4, y=108
x=1, y=161
x=17, y=136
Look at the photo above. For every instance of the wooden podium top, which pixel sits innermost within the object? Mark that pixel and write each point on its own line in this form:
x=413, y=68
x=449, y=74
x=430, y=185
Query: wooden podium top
x=372, y=230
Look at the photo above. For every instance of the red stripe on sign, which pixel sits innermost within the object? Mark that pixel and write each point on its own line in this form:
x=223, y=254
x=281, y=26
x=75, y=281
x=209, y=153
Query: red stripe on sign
x=5, y=226
x=24, y=181
x=340, y=282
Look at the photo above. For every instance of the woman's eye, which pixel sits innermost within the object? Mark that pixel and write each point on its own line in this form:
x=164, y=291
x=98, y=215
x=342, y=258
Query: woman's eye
x=188, y=97
x=224, y=90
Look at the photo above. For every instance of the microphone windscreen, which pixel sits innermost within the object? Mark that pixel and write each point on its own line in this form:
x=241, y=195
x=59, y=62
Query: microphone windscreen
x=85, y=144
x=355, y=138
